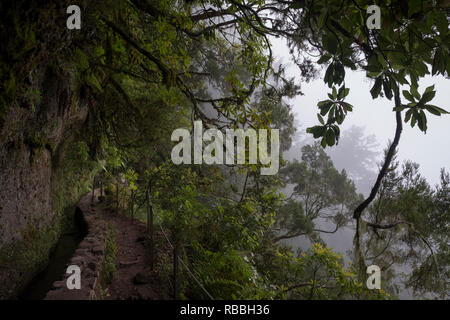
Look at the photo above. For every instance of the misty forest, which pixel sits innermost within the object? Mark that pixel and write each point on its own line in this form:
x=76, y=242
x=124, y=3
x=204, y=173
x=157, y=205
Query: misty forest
x=87, y=176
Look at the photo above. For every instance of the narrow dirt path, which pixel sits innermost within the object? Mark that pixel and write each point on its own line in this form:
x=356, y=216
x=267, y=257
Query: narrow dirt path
x=132, y=257
x=133, y=278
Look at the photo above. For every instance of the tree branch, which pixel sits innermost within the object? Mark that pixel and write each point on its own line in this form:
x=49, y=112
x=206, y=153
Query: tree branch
x=387, y=162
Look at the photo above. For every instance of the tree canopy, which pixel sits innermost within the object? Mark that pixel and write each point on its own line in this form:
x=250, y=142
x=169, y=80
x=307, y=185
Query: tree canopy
x=152, y=66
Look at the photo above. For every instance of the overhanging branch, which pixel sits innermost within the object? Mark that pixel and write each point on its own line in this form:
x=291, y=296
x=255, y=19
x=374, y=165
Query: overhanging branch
x=387, y=161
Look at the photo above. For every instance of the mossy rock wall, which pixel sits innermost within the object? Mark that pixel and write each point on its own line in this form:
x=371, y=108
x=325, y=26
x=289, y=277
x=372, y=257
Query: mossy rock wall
x=39, y=177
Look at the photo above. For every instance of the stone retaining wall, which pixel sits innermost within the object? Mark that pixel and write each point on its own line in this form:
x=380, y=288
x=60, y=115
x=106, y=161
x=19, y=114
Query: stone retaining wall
x=89, y=256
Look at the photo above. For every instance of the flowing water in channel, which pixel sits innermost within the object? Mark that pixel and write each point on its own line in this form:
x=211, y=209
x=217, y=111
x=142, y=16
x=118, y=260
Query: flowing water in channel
x=60, y=256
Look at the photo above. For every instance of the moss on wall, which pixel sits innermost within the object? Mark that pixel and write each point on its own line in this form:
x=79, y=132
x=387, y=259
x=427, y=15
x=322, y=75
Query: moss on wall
x=44, y=169
x=72, y=175
x=25, y=259
x=22, y=260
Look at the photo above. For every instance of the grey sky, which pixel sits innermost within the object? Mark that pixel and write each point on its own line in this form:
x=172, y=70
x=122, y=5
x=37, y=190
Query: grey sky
x=430, y=150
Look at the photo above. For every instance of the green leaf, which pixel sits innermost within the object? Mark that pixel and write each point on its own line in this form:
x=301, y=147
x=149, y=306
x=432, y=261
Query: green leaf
x=92, y=80
x=82, y=59
x=408, y=115
x=421, y=68
x=322, y=18
x=447, y=66
x=376, y=89
x=373, y=64
x=323, y=103
x=346, y=92
x=381, y=60
x=430, y=20
x=397, y=60
x=325, y=107
x=400, y=78
x=320, y=119
x=328, y=79
x=387, y=89
x=441, y=111
x=413, y=120
x=432, y=110
x=422, y=121
x=346, y=106
x=400, y=108
x=374, y=74
x=408, y=95
x=343, y=92
x=442, y=23
x=339, y=73
x=323, y=143
x=331, y=114
x=414, y=91
x=348, y=63
x=324, y=58
x=339, y=116
x=316, y=131
x=438, y=62
x=337, y=132
x=319, y=133
x=427, y=97
x=330, y=137
x=429, y=89
x=330, y=43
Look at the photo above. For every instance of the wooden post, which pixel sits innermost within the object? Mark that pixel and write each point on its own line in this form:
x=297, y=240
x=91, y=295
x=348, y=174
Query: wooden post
x=117, y=197
x=93, y=190
x=150, y=228
x=175, y=272
x=132, y=205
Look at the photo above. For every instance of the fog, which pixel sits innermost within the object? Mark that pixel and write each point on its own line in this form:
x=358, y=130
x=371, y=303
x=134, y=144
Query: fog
x=430, y=150
x=373, y=119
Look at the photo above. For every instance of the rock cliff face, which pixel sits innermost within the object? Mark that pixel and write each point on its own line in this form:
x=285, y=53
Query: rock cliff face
x=38, y=179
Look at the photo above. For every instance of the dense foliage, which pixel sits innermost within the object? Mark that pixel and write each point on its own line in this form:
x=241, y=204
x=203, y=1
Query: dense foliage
x=153, y=66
